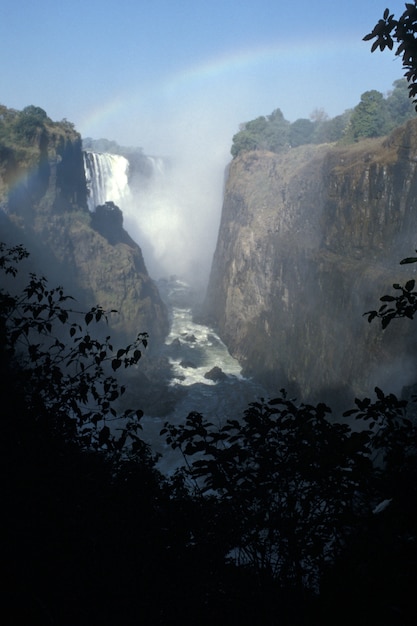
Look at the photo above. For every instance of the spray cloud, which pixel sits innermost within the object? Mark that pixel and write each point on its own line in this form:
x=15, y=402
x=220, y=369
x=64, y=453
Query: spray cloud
x=175, y=217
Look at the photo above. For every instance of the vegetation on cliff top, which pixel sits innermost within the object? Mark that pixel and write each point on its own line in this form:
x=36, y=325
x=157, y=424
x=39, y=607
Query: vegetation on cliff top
x=403, y=32
x=20, y=130
x=27, y=138
x=374, y=116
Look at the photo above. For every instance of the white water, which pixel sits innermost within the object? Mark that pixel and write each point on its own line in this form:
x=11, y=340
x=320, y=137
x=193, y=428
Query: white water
x=107, y=179
x=193, y=350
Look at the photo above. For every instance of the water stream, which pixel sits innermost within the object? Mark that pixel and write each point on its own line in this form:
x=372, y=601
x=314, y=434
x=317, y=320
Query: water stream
x=196, y=352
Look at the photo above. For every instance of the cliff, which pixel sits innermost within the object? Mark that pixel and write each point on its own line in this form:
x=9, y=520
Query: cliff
x=43, y=201
x=309, y=240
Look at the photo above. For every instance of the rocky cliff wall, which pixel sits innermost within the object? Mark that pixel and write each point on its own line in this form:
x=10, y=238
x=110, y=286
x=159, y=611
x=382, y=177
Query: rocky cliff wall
x=44, y=206
x=308, y=241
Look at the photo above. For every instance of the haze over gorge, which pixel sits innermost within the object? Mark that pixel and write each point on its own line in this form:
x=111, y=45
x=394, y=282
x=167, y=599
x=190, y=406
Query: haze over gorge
x=278, y=273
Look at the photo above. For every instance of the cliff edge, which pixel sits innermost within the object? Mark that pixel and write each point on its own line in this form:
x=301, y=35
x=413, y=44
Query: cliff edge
x=308, y=241
x=43, y=204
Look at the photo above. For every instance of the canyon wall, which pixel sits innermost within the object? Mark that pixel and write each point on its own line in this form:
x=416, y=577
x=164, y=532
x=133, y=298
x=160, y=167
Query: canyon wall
x=309, y=240
x=43, y=202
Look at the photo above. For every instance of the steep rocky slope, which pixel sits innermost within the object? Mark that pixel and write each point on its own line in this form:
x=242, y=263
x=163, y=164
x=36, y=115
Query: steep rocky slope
x=43, y=198
x=308, y=241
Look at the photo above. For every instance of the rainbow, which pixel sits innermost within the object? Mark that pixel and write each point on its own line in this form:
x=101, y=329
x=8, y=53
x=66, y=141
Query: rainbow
x=274, y=59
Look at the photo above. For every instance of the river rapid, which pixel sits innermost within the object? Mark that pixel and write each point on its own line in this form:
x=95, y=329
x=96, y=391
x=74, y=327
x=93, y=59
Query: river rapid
x=204, y=374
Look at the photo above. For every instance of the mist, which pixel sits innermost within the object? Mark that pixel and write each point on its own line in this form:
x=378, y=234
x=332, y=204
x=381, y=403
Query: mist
x=175, y=221
x=174, y=216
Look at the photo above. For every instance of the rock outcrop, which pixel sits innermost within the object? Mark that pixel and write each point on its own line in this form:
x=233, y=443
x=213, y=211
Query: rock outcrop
x=309, y=240
x=43, y=197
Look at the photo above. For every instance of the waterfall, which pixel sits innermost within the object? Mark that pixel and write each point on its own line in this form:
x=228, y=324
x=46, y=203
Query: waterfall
x=107, y=179
x=157, y=165
x=169, y=209
x=139, y=190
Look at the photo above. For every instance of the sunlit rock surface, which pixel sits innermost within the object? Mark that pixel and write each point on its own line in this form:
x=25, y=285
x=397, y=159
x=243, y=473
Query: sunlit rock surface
x=309, y=240
x=44, y=206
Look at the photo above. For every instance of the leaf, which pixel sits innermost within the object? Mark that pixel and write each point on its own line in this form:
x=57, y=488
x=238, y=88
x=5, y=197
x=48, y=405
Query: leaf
x=116, y=363
x=104, y=435
x=350, y=412
x=409, y=285
x=379, y=393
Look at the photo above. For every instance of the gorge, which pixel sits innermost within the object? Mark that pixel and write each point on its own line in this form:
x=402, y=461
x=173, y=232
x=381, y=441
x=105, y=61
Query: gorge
x=308, y=241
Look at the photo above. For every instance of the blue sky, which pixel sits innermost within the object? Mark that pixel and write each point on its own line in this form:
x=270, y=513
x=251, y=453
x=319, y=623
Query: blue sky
x=168, y=74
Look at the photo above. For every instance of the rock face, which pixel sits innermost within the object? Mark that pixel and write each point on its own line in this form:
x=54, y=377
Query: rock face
x=44, y=206
x=309, y=241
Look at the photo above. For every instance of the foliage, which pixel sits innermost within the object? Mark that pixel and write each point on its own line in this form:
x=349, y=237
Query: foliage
x=263, y=133
x=289, y=478
x=391, y=431
x=395, y=307
x=264, y=510
x=374, y=116
x=90, y=530
x=30, y=123
x=283, y=494
x=389, y=542
x=398, y=104
x=402, y=33
x=301, y=132
x=64, y=371
x=24, y=135
x=369, y=118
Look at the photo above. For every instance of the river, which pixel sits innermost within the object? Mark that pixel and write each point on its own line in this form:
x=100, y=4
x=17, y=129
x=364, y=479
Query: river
x=194, y=350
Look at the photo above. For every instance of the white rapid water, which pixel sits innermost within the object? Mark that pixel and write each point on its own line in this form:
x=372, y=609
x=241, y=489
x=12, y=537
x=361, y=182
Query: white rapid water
x=194, y=350
x=107, y=179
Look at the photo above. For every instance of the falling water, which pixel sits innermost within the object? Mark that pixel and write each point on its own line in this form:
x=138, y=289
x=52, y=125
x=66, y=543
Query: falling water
x=107, y=179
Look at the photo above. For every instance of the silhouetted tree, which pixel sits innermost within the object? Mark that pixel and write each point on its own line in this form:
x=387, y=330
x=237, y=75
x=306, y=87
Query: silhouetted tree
x=402, y=33
x=290, y=479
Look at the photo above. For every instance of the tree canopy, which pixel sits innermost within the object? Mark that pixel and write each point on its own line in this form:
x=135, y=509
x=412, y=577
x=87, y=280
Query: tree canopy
x=376, y=115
